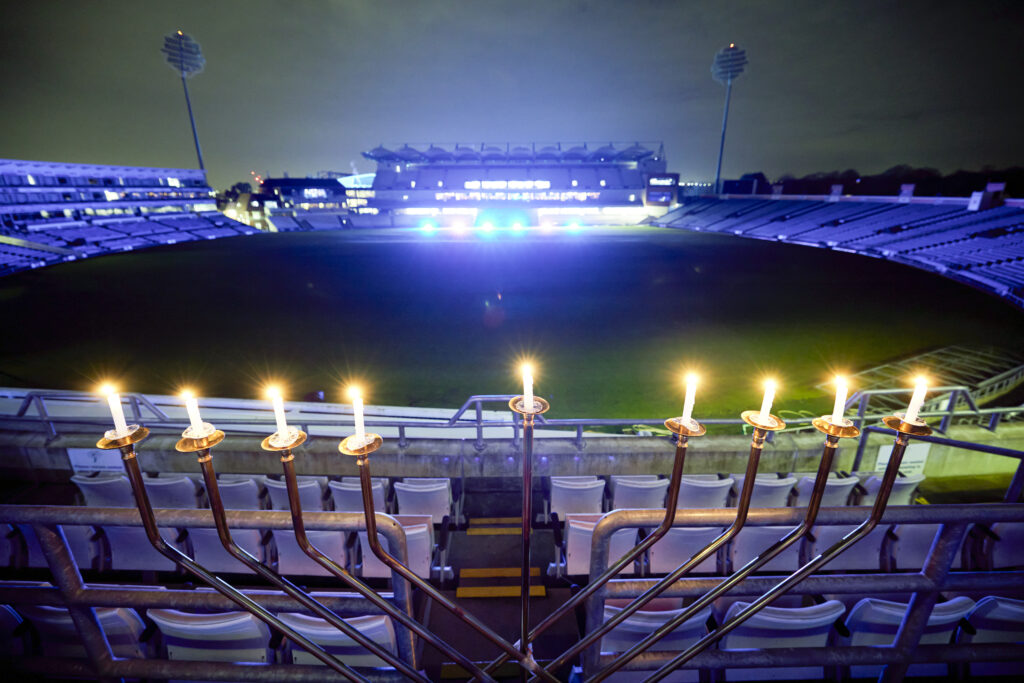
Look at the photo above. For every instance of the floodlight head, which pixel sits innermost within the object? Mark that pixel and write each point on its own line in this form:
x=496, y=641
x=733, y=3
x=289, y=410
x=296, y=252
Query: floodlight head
x=728, y=64
x=183, y=54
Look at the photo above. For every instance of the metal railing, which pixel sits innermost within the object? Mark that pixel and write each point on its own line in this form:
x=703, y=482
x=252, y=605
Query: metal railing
x=144, y=411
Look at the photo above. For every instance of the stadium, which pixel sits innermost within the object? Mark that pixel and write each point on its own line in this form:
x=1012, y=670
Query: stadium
x=536, y=410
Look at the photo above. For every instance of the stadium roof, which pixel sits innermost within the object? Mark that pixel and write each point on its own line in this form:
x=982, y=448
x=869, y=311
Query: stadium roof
x=503, y=152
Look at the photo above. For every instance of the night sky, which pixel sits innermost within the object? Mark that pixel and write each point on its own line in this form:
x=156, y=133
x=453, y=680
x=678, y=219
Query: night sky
x=306, y=86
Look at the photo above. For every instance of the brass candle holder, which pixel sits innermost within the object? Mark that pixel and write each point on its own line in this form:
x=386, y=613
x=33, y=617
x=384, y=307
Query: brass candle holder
x=684, y=431
x=539, y=407
x=761, y=430
x=201, y=447
x=905, y=431
x=126, y=444
x=301, y=537
x=833, y=433
x=361, y=450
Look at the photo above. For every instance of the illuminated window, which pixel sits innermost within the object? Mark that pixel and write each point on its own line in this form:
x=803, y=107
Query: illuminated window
x=632, y=197
x=174, y=182
x=398, y=169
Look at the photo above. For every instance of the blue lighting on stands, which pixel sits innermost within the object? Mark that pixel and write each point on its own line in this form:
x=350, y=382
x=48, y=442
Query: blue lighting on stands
x=428, y=226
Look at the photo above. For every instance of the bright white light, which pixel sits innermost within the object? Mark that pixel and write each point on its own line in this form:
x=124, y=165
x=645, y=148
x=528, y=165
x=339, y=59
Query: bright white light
x=487, y=226
x=575, y=183
x=440, y=183
x=603, y=183
x=517, y=226
x=412, y=184
x=632, y=197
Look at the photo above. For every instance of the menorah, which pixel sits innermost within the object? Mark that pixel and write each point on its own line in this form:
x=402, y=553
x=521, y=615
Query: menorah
x=201, y=437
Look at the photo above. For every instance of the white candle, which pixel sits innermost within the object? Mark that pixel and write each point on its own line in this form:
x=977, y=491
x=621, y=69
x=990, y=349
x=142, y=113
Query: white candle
x=192, y=407
x=691, y=393
x=840, y=405
x=766, y=403
x=357, y=413
x=527, y=387
x=917, y=400
x=275, y=400
x=116, y=411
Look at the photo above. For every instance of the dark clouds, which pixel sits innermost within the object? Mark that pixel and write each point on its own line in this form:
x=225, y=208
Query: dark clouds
x=302, y=86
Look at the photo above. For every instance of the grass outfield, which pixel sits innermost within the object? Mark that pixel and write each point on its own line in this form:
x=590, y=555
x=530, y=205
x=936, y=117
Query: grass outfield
x=611, y=317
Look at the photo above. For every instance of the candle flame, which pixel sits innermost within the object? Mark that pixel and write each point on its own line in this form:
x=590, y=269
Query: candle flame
x=187, y=393
x=273, y=391
x=770, y=384
x=921, y=381
x=108, y=389
x=691, y=378
x=840, y=381
x=354, y=392
x=526, y=369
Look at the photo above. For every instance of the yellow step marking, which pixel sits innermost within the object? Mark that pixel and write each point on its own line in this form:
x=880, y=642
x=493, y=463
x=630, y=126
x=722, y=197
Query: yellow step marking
x=495, y=572
x=492, y=531
x=496, y=592
x=495, y=520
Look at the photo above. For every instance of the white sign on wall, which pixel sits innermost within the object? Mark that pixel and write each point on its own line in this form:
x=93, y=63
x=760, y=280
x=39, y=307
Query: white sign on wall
x=95, y=460
x=914, y=458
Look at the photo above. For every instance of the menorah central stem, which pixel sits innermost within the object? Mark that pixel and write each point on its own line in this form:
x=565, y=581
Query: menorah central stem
x=524, y=597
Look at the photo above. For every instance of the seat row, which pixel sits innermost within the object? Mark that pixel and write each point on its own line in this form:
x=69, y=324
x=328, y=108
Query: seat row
x=863, y=622
x=591, y=494
x=190, y=636
x=888, y=548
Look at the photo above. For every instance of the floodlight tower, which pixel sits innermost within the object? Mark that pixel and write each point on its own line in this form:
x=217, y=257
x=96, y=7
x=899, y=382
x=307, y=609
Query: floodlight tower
x=728, y=66
x=184, y=56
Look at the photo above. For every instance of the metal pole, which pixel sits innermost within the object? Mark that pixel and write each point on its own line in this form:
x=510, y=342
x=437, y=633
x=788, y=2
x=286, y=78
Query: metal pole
x=721, y=145
x=361, y=451
x=69, y=581
x=832, y=435
x=891, y=471
x=288, y=462
x=191, y=119
x=595, y=630
x=524, y=591
x=671, y=502
x=268, y=574
x=131, y=467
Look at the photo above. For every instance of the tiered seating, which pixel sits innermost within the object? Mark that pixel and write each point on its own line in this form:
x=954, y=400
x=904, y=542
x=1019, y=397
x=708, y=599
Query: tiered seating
x=981, y=246
x=100, y=210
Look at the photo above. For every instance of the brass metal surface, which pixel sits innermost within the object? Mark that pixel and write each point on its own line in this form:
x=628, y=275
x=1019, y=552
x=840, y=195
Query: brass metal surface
x=135, y=436
x=375, y=442
x=516, y=404
x=676, y=426
x=299, y=440
x=824, y=424
x=750, y=417
x=912, y=428
x=187, y=445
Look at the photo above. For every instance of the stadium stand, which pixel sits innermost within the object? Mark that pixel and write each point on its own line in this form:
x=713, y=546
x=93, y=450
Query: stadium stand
x=56, y=212
x=980, y=247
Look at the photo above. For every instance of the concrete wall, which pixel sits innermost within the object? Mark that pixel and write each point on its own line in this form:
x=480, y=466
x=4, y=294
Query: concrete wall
x=31, y=457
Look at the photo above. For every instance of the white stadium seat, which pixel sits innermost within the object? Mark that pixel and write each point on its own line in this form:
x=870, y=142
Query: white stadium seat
x=571, y=497
x=171, y=491
x=751, y=541
x=419, y=542
x=697, y=492
x=837, y=490
x=425, y=498
x=864, y=555
x=875, y=622
x=348, y=496
x=902, y=489
x=579, y=534
x=640, y=625
x=639, y=494
x=769, y=490
x=775, y=627
x=292, y=561
x=994, y=620
x=310, y=495
x=679, y=545
x=58, y=636
x=377, y=628
x=217, y=637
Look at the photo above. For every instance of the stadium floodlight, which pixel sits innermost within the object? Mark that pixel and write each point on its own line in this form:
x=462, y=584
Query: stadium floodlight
x=184, y=56
x=727, y=67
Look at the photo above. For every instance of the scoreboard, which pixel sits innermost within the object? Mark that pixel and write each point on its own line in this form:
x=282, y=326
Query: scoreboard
x=662, y=189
